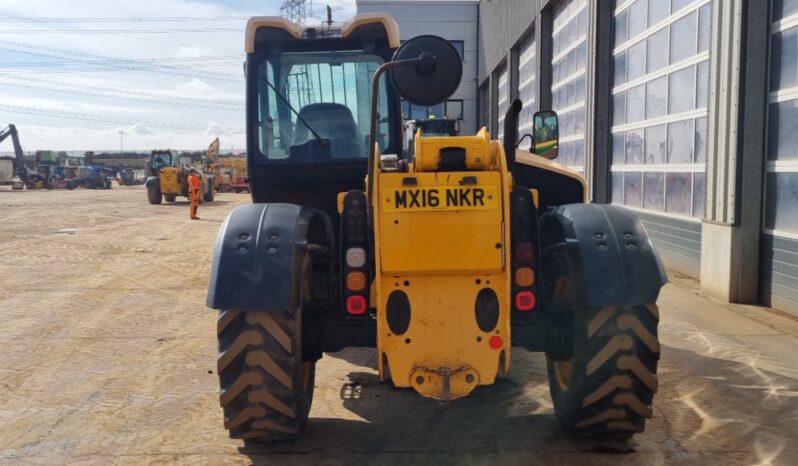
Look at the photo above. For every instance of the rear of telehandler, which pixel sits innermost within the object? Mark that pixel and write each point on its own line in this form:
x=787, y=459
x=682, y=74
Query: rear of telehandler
x=442, y=261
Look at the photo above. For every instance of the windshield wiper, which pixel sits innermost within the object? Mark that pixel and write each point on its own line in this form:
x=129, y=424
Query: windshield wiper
x=282, y=97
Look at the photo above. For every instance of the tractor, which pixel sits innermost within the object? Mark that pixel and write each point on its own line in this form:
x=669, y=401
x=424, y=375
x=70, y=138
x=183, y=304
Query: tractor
x=168, y=177
x=443, y=261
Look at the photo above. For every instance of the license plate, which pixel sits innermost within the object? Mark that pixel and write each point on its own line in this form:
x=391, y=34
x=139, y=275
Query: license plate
x=440, y=198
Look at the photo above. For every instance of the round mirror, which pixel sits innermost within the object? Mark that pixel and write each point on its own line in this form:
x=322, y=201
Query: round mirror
x=435, y=79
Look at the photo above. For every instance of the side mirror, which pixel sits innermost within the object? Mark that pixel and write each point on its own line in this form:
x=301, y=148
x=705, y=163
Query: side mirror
x=435, y=78
x=546, y=134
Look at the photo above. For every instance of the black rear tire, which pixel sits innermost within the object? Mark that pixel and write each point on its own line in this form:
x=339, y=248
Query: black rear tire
x=170, y=197
x=604, y=385
x=266, y=387
x=154, y=194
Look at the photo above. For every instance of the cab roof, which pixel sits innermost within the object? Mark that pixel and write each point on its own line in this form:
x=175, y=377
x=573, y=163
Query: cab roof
x=373, y=26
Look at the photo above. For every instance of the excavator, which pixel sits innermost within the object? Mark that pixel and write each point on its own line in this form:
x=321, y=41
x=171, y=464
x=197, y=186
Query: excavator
x=21, y=174
x=230, y=174
x=443, y=260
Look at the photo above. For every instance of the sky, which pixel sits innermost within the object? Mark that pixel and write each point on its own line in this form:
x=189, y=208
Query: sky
x=74, y=74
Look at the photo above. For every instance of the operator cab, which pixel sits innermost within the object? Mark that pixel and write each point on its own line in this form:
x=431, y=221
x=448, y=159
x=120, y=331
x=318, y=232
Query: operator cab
x=309, y=107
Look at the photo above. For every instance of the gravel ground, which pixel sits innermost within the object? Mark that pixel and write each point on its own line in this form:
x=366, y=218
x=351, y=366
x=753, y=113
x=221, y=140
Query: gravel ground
x=109, y=357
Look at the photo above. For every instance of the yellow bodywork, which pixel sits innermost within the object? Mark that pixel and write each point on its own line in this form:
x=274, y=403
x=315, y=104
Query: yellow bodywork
x=170, y=181
x=441, y=237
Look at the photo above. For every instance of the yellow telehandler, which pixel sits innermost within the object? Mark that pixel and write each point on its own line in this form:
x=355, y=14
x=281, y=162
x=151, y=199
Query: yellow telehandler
x=444, y=261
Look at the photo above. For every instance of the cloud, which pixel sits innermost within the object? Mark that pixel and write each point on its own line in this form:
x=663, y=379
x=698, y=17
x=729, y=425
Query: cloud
x=196, y=65
x=141, y=129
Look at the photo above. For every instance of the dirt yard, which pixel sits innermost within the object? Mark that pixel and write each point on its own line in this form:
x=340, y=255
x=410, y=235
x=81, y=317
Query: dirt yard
x=109, y=357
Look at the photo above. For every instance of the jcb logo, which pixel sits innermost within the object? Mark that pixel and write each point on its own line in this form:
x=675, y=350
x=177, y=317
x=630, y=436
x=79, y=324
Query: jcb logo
x=441, y=198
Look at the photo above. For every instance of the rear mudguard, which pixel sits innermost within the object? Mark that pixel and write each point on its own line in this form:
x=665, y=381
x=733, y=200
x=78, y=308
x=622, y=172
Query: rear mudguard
x=259, y=255
x=614, y=255
x=152, y=181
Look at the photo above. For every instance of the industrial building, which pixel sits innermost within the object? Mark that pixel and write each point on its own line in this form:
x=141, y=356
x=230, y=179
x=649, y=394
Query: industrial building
x=683, y=110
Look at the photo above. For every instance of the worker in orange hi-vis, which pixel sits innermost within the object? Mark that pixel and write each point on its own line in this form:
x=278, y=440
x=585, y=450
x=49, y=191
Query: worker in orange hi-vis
x=194, y=192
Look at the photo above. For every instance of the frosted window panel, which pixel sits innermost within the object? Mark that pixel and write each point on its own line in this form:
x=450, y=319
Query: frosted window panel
x=677, y=5
x=581, y=56
x=636, y=104
x=702, y=85
x=634, y=147
x=653, y=191
x=581, y=89
x=656, y=143
x=617, y=188
x=784, y=60
x=699, y=195
x=657, y=54
x=619, y=108
x=657, y=98
x=704, y=27
x=636, y=61
x=784, y=131
x=782, y=205
x=680, y=142
x=678, y=193
x=619, y=63
x=621, y=28
x=638, y=13
x=683, y=38
x=657, y=11
x=681, y=90
x=701, y=140
x=784, y=8
x=618, y=149
x=632, y=189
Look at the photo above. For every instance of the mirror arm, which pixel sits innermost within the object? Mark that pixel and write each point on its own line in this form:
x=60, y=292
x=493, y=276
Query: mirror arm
x=511, y=132
x=375, y=99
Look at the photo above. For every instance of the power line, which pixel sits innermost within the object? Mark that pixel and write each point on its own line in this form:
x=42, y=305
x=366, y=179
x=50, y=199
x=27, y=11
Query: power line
x=159, y=97
x=120, y=31
x=163, y=101
x=150, y=19
x=115, y=64
x=60, y=114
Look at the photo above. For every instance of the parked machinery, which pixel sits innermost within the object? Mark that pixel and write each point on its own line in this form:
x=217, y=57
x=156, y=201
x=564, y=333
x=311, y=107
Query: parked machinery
x=444, y=262
x=169, y=177
x=13, y=170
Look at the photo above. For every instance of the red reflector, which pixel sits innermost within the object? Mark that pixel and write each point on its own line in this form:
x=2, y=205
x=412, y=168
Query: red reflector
x=525, y=301
x=356, y=305
x=495, y=342
x=524, y=253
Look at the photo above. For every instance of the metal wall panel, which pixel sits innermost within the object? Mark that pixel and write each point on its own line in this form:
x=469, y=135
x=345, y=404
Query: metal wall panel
x=779, y=273
x=678, y=242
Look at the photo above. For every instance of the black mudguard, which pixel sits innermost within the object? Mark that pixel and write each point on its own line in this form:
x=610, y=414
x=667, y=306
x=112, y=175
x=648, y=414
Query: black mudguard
x=618, y=263
x=259, y=253
x=152, y=181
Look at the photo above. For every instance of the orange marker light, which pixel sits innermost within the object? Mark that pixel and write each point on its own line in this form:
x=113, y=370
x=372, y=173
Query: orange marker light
x=495, y=342
x=524, y=276
x=356, y=281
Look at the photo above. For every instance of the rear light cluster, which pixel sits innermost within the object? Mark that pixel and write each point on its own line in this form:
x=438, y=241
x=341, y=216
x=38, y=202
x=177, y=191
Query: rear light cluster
x=524, y=256
x=355, y=246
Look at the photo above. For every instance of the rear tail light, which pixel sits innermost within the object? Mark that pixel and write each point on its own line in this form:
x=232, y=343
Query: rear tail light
x=355, y=266
x=355, y=257
x=524, y=258
x=355, y=281
x=356, y=305
x=524, y=276
x=524, y=253
x=525, y=300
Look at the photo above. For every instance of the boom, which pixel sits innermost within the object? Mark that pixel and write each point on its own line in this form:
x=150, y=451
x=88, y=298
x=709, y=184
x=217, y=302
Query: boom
x=20, y=168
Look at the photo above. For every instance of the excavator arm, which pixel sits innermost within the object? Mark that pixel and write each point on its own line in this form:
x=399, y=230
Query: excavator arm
x=20, y=169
